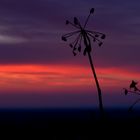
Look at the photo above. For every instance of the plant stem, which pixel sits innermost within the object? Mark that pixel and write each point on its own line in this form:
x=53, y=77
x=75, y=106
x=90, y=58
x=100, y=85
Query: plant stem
x=97, y=85
x=131, y=107
x=88, y=46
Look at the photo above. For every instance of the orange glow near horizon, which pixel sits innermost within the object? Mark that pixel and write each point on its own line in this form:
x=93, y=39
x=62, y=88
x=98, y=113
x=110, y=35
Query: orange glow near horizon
x=60, y=77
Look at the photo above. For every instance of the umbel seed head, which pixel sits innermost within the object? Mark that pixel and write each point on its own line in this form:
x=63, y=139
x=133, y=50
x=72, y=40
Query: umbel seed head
x=96, y=35
x=91, y=10
x=75, y=21
x=63, y=38
x=100, y=44
x=103, y=36
x=67, y=22
x=84, y=36
x=79, y=48
x=71, y=45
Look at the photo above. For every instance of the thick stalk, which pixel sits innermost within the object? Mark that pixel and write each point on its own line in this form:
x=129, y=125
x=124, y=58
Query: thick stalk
x=131, y=107
x=97, y=85
x=88, y=46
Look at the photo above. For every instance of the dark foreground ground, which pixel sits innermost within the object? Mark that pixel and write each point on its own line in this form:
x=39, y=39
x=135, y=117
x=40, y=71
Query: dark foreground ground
x=74, y=124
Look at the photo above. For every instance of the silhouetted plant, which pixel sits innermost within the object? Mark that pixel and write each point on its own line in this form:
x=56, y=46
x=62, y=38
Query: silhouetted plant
x=84, y=36
x=133, y=89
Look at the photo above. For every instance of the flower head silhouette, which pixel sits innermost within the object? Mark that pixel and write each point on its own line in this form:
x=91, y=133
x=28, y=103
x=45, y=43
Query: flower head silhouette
x=85, y=36
x=133, y=85
x=133, y=90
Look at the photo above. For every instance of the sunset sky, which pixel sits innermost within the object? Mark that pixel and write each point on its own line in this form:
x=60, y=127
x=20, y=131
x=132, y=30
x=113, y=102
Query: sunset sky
x=38, y=69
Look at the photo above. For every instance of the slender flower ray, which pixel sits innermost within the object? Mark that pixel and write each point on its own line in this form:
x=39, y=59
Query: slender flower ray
x=72, y=33
x=95, y=39
x=91, y=12
x=85, y=37
x=75, y=44
x=64, y=38
x=76, y=22
x=74, y=25
x=96, y=33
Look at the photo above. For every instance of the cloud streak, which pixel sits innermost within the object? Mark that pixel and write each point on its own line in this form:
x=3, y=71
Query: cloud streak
x=11, y=40
x=55, y=78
